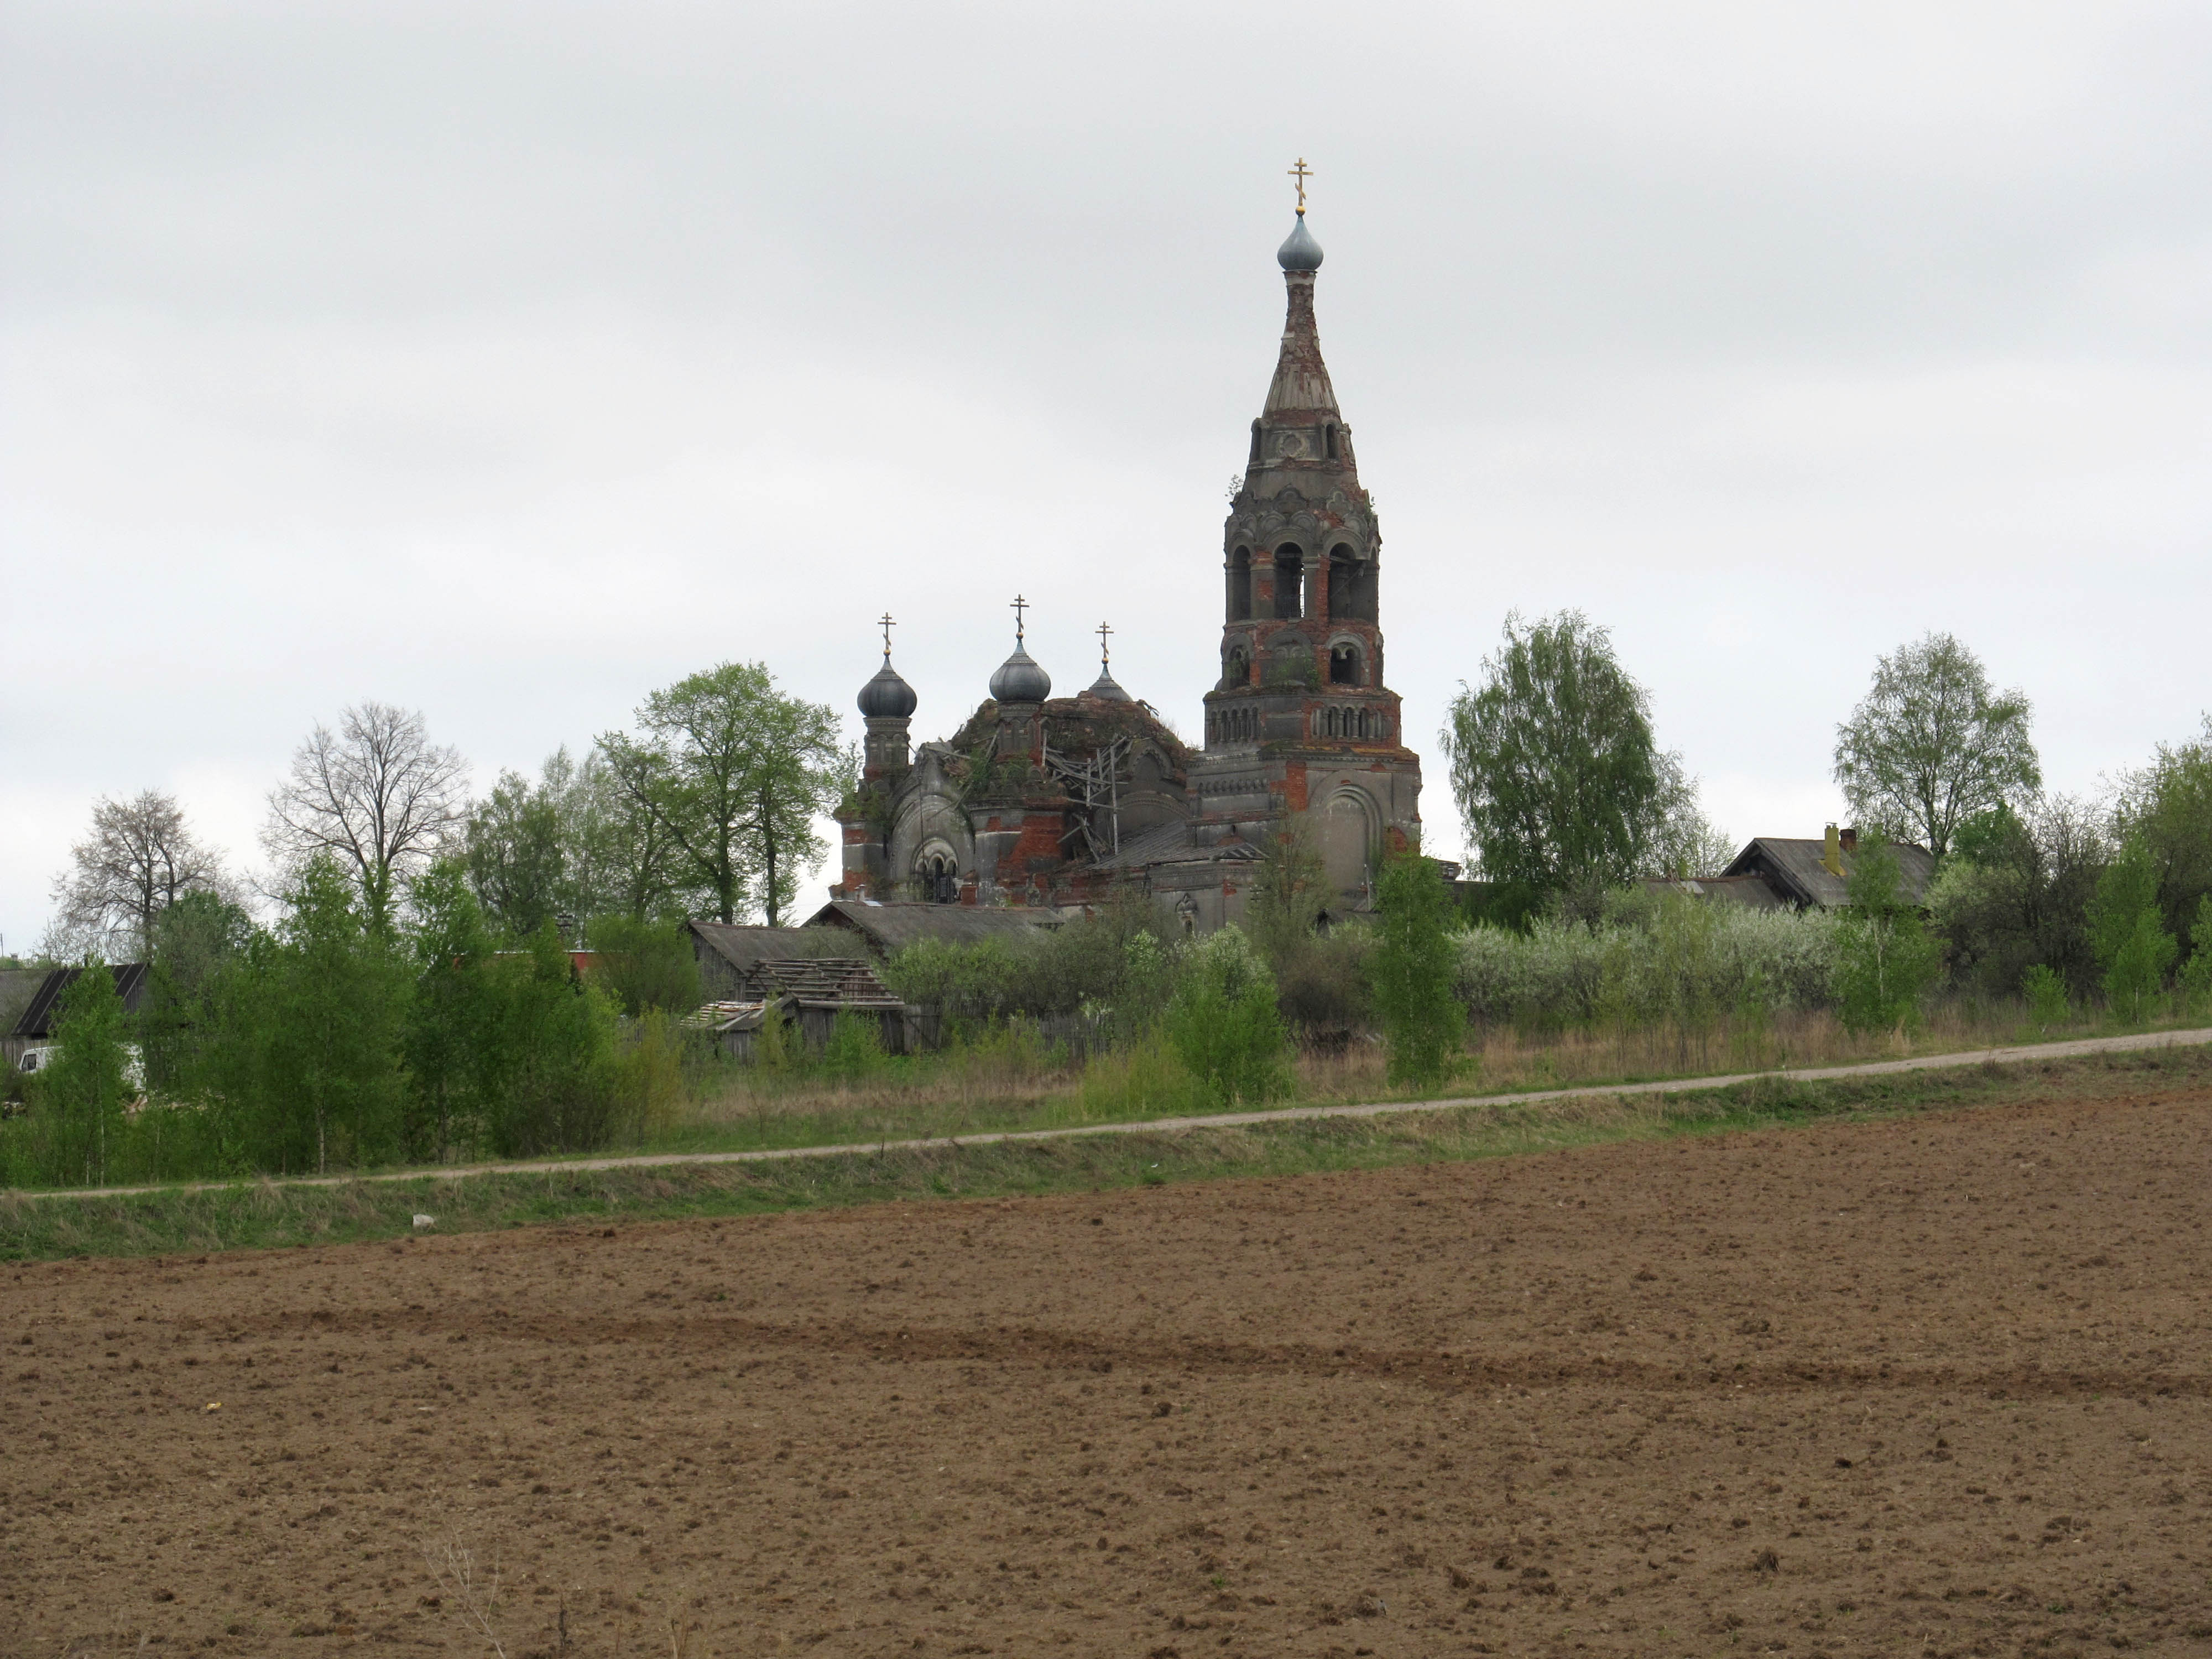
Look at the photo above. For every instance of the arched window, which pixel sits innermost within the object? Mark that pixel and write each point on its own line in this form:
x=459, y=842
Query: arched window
x=939, y=877
x=1239, y=585
x=1343, y=583
x=1328, y=440
x=1351, y=585
x=1328, y=724
x=1290, y=570
x=1255, y=461
x=1344, y=665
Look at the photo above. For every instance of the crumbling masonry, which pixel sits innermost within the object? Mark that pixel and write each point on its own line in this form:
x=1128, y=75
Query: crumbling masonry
x=1044, y=801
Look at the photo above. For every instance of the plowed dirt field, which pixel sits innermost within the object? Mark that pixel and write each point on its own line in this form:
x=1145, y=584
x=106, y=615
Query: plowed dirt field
x=1934, y=1385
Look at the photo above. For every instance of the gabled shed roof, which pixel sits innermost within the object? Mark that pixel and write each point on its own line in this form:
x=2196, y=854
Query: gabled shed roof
x=891, y=927
x=37, y=1022
x=1792, y=866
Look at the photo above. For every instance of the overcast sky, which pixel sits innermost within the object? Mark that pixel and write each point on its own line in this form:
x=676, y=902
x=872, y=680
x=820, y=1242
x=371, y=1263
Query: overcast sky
x=507, y=362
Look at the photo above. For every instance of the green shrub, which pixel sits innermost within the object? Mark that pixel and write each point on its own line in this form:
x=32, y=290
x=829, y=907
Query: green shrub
x=1146, y=1080
x=76, y=1102
x=1884, y=959
x=1423, y=1023
x=2048, y=1004
x=547, y=1053
x=646, y=964
x=1223, y=1024
x=1622, y=971
x=2196, y=977
x=648, y=1082
x=853, y=1051
x=2127, y=926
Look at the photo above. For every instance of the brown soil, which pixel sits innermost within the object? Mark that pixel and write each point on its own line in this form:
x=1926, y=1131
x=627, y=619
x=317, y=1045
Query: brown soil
x=1937, y=1385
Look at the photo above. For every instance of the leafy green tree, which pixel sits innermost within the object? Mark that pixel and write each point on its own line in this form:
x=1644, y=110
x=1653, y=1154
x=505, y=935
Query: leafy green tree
x=449, y=1016
x=516, y=860
x=1413, y=971
x=1223, y=1023
x=330, y=1013
x=2044, y=991
x=550, y=1061
x=735, y=774
x=1289, y=892
x=1554, y=766
x=1884, y=959
x=1686, y=843
x=645, y=965
x=1930, y=745
x=2196, y=977
x=618, y=854
x=2168, y=805
x=81, y=1095
x=195, y=941
x=2128, y=929
x=2014, y=893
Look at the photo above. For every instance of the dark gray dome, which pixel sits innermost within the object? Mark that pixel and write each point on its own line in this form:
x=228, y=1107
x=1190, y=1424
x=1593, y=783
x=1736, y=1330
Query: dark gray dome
x=1299, y=252
x=887, y=696
x=1020, y=680
x=1107, y=688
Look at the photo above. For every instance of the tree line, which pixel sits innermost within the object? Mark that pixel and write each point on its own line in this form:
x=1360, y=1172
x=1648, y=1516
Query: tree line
x=336, y=1039
x=1567, y=800
x=706, y=805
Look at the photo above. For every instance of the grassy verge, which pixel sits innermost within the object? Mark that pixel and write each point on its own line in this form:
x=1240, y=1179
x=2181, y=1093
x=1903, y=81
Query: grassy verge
x=261, y=1215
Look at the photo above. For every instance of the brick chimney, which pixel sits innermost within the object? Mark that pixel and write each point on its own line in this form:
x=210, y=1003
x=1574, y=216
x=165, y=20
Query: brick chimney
x=1848, y=838
x=1832, y=854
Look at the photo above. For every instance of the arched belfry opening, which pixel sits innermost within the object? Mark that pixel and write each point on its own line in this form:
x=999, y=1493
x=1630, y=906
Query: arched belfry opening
x=1290, y=572
x=1343, y=665
x=1239, y=585
x=1351, y=585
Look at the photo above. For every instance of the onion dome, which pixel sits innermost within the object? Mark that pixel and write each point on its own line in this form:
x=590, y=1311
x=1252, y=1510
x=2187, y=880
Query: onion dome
x=1299, y=252
x=887, y=696
x=1019, y=679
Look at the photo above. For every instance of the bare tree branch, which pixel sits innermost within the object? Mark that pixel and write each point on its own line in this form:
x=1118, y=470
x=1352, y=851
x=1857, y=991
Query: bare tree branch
x=139, y=860
x=377, y=795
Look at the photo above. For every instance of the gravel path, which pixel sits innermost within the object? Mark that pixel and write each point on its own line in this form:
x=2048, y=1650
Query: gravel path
x=1223, y=1120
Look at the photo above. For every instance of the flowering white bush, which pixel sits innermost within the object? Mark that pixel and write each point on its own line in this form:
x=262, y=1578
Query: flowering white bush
x=1676, y=960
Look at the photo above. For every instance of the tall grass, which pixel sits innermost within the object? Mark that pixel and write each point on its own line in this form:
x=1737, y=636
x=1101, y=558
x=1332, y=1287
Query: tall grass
x=261, y=1214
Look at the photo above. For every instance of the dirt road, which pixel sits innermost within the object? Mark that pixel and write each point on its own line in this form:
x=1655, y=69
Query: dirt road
x=1927, y=1386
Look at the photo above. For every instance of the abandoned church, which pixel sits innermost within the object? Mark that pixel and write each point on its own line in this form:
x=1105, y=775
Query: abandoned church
x=1040, y=800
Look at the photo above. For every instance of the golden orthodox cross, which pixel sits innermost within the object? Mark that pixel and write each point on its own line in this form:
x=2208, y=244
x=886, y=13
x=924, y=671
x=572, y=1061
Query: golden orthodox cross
x=1018, y=607
x=1301, y=172
x=888, y=624
x=1104, y=655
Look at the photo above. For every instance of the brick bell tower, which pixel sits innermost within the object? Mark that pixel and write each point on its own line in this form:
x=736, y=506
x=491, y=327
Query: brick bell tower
x=1300, y=720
